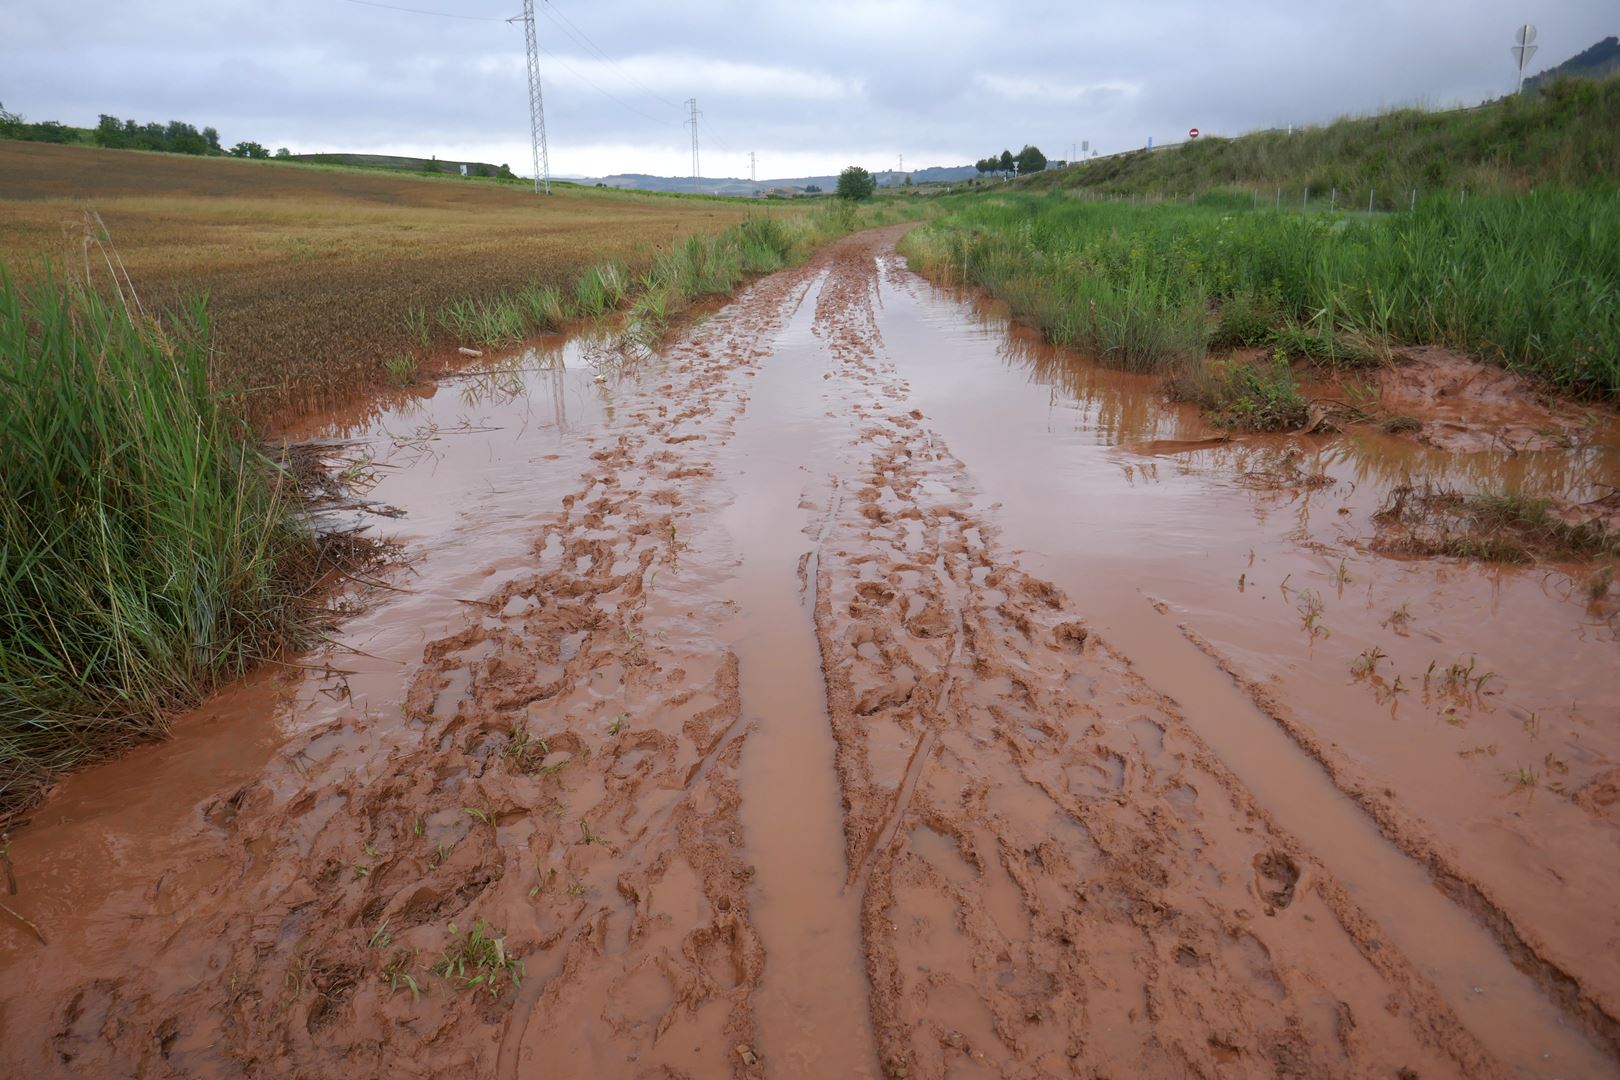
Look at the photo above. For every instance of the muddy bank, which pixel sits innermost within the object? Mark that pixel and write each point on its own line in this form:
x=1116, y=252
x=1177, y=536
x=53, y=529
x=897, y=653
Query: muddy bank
x=794, y=707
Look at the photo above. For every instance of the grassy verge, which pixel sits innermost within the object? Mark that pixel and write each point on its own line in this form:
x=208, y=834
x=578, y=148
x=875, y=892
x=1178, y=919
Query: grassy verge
x=1529, y=281
x=145, y=552
x=1565, y=135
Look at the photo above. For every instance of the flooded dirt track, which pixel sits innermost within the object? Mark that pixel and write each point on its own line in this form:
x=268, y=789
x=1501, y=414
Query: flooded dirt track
x=834, y=698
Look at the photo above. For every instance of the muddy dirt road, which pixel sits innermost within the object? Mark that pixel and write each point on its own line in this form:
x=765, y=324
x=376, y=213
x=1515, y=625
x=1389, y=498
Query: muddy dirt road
x=857, y=688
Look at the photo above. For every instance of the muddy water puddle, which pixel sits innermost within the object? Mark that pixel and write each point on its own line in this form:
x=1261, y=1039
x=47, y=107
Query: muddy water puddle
x=1167, y=534
x=861, y=689
x=812, y=999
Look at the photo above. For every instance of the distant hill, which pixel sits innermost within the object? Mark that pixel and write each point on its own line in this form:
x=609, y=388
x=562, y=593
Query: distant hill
x=727, y=185
x=408, y=164
x=1600, y=60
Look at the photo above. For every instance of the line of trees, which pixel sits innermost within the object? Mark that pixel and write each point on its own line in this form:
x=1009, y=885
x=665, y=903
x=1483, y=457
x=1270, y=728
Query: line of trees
x=1028, y=160
x=175, y=137
x=13, y=126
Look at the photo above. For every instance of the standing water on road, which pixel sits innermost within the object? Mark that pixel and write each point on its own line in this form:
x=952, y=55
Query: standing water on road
x=857, y=686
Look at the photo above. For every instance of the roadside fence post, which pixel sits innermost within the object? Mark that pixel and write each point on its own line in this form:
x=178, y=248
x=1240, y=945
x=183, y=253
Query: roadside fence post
x=1333, y=200
x=1370, y=195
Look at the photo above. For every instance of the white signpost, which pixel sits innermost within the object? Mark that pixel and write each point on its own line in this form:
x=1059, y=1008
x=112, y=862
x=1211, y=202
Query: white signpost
x=1524, y=50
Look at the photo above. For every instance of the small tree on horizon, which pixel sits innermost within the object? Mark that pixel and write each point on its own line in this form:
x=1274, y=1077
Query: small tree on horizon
x=856, y=184
x=1006, y=162
x=1030, y=160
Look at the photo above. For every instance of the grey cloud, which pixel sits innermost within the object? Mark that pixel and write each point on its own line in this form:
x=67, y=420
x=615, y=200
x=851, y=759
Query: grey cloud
x=807, y=85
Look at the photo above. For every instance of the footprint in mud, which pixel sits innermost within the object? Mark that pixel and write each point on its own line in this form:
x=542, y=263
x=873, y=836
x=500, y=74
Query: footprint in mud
x=1277, y=877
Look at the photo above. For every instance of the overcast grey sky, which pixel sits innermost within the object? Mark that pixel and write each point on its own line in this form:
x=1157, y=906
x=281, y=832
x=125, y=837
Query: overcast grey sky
x=810, y=86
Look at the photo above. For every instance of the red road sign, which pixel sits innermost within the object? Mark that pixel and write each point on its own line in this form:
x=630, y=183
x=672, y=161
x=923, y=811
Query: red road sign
x=1193, y=133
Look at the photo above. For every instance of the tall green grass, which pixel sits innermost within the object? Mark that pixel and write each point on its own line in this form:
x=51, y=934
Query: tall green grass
x=144, y=547
x=1531, y=281
x=702, y=265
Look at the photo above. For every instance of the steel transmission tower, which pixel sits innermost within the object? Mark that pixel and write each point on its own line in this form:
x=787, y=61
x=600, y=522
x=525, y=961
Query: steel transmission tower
x=537, y=106
x=691, y=103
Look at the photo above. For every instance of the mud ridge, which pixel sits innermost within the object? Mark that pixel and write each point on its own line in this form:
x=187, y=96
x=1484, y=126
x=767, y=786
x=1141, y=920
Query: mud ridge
x=1597, y=1019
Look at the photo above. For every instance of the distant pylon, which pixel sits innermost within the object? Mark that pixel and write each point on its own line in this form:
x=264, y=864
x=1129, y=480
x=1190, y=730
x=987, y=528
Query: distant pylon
x=752, y=177
x=691, y=103
x=537, y=106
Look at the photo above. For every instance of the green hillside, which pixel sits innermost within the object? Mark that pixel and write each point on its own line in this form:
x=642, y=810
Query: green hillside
x=408, y=164
x=1594, y=63
x=1564, y=135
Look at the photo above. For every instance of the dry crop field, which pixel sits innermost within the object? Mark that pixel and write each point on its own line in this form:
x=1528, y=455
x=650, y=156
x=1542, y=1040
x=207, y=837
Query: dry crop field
x=310, y=272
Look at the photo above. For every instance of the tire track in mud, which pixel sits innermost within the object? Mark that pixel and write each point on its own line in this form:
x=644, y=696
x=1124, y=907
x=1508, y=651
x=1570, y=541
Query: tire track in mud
x=1056, y=876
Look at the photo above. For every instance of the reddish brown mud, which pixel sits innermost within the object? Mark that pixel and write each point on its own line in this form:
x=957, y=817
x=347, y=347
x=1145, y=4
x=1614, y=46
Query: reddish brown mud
x=834, y=698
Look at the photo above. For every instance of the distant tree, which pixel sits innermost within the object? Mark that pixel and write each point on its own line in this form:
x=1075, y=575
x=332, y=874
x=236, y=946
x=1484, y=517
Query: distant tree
x=10, y=123
x=856, y=184
x=1030, y=160
x=249, y=150
x=211, y=138
x=1006, y=162
x=283, y=152
x=181, y=138
x=812, y=189
x=110, y=132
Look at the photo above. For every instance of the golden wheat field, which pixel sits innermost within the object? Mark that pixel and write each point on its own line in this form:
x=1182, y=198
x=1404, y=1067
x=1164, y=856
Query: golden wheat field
x=311, y=272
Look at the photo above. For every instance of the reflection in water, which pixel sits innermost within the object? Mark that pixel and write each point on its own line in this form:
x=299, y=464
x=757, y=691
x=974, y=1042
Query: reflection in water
x=1124, y=409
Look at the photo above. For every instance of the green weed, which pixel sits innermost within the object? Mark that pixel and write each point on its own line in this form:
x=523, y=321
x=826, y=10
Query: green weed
x=477, y=958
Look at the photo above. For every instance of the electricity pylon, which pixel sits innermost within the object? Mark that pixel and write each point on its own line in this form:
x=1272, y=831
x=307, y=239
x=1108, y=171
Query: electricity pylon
x=537, y=106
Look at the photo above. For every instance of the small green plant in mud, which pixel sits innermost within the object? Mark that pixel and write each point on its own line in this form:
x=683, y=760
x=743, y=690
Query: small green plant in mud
x=523, y=750
x=401, y=369
x=1523, y=777
x=1310, y=610
x=1399, y=620
x=380, y=937
x=1366, y=665
x=618, y=723
x=479, y=814
x=541, y=879
x=477, y=959
x=586, y=836
x=398, y=974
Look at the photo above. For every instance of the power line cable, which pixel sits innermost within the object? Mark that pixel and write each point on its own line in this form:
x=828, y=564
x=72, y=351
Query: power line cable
x=569, y=27
x=616, y=100
x=421, y=11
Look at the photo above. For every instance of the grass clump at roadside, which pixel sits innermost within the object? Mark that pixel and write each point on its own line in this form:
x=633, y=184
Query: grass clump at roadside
x=1531, y=282
x=1488, y=526
x=146, y=552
